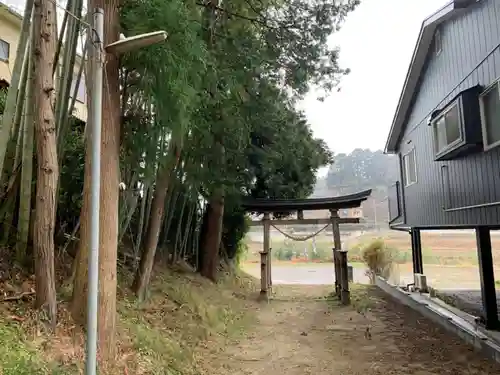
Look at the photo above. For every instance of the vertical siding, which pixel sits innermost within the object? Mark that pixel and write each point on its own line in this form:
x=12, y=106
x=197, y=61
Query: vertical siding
x=463, y=63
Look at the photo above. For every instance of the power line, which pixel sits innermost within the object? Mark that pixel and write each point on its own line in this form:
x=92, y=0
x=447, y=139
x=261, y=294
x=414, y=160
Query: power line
x=71, y=14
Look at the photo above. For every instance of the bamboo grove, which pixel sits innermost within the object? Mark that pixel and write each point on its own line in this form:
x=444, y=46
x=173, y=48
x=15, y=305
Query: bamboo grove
x=190, y=127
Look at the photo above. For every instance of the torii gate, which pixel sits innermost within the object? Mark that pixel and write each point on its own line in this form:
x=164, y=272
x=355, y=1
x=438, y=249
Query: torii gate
x=298, y=206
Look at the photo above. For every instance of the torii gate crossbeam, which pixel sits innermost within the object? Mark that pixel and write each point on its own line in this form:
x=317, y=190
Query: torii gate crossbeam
x=266, y=207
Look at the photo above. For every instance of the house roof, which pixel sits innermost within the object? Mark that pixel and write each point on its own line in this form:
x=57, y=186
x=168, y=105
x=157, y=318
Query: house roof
x=12, y=13
x=416, y=67
x=15, y=16
x=285, y=205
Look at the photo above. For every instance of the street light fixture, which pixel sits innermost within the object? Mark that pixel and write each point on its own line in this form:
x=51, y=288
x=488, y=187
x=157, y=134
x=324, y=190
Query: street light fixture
x=135, y=42
x=95, y=117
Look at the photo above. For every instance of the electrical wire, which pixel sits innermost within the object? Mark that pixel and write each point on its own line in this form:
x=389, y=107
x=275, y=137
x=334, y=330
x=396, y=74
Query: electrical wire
x=71, y=14
x=83, y=22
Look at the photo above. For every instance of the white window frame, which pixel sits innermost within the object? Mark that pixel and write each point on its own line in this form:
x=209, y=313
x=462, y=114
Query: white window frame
x=8, y=50
x=84, y=93
x=484, y=130
x=73, y=86
x=405, y=160
x=438, y=42
x=456, y=103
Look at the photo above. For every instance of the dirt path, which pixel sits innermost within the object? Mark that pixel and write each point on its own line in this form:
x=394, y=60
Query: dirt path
x=298, y=333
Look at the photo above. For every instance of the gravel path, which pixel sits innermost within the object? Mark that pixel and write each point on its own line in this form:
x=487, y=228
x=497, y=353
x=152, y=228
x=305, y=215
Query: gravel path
x=469, y=301
x=298, y=334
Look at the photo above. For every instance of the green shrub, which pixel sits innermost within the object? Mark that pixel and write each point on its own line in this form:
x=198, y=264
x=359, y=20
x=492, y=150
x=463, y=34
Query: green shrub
x=288, y=250
x=378, y=258
x=283, y=253
x=241, y=252
x=322, y=253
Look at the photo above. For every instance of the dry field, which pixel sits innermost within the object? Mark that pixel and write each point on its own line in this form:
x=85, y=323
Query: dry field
x=450, y=257
x=442, y=244
x=443, y=248
x=451, y=249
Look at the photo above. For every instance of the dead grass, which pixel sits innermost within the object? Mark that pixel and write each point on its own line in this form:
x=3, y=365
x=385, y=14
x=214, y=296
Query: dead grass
x=185, y=315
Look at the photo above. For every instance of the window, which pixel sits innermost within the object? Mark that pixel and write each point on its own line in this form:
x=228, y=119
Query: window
x=409, y=168
x=447, y=129
x=4, y=50
x=437, y=43
x=393, y=196
x=80, y=94
x=455, y=127
x=490, y=116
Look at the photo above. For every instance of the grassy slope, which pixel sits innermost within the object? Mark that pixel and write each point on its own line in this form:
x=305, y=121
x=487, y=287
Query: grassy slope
x=185, y=318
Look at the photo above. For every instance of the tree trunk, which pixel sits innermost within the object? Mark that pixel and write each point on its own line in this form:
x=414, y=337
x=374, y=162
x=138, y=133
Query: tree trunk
x=108, y=236
x=212, y=236
x=46, y=146
x=143, y=274
x=213, y=233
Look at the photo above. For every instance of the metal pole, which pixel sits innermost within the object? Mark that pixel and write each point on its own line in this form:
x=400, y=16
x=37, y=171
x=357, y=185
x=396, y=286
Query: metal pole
x=95, y=116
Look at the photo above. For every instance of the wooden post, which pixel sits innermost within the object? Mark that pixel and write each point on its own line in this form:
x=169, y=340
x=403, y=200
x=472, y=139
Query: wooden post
x=334, y=215
x=345, y=296
x=269, y=266
x=487, y=276
x=266, y=270
x=263, y=275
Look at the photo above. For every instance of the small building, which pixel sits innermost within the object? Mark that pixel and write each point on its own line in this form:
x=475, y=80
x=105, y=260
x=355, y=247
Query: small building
x=446, y=133
x=10, y=30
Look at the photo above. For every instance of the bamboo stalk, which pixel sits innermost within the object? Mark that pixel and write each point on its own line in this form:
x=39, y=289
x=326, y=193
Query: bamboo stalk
x=68, y=66
x=69, y=8
x=11, y=101
x=178, y=230
x=27, y=165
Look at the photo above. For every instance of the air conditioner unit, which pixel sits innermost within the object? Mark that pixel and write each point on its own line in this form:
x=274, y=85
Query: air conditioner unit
x=421, y=283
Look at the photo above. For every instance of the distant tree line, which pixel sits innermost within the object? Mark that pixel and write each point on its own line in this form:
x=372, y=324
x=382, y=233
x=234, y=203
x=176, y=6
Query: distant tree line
x=359, y=170
x=362, y=169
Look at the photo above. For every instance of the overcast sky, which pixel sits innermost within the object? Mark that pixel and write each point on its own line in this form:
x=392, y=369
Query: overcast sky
x=376, y=43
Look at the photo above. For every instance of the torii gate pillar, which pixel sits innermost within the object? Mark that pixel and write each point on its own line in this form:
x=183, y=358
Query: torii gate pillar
x=337, y=245
x=340, y=262
x=265, y=261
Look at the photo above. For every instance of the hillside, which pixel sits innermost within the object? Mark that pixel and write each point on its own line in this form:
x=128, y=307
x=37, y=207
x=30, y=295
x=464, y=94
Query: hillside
x=185, y=318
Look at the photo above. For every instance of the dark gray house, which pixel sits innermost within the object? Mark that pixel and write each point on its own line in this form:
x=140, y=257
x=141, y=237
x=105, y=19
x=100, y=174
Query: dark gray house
x=446, y=132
